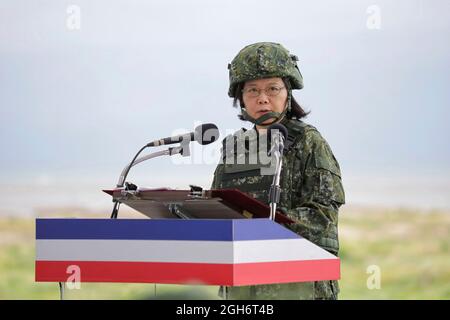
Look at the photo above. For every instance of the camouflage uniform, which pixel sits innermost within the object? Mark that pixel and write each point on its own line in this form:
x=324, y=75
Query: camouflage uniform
x=311, y=195
x=310, y=179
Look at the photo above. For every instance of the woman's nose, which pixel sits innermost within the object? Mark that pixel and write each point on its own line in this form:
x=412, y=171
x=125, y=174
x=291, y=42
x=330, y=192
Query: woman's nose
x=263, y=98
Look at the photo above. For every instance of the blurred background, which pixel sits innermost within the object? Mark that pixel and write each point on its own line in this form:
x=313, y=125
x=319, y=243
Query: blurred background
x=85, y=84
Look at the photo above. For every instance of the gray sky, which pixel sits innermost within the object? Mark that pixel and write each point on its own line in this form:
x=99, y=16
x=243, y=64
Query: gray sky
x=76, y=104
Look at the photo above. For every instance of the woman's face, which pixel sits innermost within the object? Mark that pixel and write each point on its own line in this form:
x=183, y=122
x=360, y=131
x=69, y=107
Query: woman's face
x=272, y=97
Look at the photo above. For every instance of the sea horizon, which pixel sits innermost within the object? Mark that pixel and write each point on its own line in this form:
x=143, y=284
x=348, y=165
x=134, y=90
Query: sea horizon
x=43, y=194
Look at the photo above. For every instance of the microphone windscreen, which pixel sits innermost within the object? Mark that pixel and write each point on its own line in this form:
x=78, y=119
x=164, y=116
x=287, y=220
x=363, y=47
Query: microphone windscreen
x=206, y=133
x=277, y=126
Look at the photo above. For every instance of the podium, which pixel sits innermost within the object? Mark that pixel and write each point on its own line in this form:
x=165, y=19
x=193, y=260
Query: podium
x=232, y=252
x=166, y=203
x=217, y=245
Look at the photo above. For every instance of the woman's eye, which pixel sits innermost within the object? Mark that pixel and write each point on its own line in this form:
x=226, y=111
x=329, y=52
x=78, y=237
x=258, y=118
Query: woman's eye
x=273, y=89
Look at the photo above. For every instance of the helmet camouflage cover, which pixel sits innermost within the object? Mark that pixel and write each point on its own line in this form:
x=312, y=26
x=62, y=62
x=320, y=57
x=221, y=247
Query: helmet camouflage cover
x=264, y=60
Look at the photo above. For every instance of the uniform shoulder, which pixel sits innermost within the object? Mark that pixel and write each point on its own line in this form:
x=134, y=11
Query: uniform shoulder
x=303, y=133
x=314, y=144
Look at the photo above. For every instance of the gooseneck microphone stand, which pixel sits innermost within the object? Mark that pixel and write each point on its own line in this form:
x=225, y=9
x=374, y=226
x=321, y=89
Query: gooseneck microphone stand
x=203, y=134
x=182, y=149
x=277, y=152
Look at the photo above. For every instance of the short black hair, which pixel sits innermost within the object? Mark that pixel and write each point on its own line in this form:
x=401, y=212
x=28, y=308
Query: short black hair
x=296, y=112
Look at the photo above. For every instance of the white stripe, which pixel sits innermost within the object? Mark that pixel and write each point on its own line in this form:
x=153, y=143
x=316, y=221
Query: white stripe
x=278, y=250
x=180, y=251
x=134, y=250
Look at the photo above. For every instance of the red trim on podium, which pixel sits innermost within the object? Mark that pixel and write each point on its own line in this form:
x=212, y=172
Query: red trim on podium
x=138, y=272
x=191, y=273
x=286, y=271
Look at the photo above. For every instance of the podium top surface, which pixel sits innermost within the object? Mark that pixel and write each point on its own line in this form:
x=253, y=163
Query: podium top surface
x=207, y=204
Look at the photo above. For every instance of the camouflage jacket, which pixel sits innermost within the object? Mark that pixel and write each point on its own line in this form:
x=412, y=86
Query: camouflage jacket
x=311, y=195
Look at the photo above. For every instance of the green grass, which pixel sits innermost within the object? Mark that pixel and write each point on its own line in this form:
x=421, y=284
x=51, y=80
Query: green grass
x=411, y=248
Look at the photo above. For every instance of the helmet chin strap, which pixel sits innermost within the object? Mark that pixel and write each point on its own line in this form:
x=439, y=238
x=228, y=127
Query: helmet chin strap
x=277, y=116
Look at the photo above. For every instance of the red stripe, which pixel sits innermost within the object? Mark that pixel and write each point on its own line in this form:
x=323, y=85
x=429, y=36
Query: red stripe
x=286, y=271
x=191, y=273
x=140, y=272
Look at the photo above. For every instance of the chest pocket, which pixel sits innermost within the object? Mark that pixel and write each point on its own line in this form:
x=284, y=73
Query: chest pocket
x=242, y=169
x=247, y=178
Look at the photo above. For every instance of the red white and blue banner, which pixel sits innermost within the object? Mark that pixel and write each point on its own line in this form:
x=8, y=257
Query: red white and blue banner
x=209, y=252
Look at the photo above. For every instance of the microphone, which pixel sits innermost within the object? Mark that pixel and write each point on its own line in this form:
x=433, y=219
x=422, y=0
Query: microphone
x=204, y=134
x=280, y=134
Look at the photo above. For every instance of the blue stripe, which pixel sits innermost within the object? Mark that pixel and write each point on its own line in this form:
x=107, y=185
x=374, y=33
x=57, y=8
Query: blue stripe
x=260, y=229
x=134, y=229
x=161, y=229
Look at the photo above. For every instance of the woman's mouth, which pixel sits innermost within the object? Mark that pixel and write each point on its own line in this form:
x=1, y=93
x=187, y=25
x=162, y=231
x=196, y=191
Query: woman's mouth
x=261, y=112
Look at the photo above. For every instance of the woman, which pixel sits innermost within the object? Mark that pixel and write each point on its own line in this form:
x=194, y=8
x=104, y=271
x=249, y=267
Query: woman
x=262, y=77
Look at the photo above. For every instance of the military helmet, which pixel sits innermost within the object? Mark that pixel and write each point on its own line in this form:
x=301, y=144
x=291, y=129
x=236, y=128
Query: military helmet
x=264, y=60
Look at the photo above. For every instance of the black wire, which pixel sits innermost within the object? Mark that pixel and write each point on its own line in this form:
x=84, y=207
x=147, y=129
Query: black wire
x=115, y=210
x=131, y=164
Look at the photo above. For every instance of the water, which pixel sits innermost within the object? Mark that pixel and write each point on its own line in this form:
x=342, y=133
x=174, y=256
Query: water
x=416, y=192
